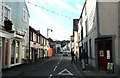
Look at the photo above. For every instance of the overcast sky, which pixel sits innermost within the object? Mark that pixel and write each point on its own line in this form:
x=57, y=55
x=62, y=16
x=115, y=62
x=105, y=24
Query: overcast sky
x=57, y=15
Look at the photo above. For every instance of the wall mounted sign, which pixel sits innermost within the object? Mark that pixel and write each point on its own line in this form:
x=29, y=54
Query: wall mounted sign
x=108, y=54
x=101, y=53
x=20, y=33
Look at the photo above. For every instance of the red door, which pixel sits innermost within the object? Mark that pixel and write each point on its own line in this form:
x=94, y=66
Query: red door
x=104, y=53
x=6, y=54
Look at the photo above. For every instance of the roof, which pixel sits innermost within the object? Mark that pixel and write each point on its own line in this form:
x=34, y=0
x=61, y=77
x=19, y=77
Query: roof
x=27, y=8
x=82, y=10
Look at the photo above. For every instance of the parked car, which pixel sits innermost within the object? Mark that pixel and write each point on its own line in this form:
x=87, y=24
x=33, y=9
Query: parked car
x=61, y=52
x=65, y=53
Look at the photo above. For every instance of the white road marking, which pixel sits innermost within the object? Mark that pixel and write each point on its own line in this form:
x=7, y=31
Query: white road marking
x=61, y=58
x=55, y=68
x=62, y=72
x=50, y=76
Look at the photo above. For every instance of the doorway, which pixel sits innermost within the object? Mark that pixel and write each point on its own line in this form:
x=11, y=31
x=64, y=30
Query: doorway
x=104, y=53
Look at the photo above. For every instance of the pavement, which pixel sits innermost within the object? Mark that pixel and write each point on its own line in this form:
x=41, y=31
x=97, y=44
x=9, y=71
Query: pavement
x=91, y=72
x=21, y=69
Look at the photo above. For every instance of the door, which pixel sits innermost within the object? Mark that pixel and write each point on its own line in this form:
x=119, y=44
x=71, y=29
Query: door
x=104, y=53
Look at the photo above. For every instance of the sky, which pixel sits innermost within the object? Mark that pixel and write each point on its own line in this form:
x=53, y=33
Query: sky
x=57, y=15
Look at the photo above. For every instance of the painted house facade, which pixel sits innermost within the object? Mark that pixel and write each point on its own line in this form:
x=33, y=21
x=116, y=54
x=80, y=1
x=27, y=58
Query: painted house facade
x=75, y=35
x=99, y=34
x=38, y=48
x=15, y=38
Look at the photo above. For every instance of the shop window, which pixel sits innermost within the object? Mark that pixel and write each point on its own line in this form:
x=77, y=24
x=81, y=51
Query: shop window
x=17, y=51
x=31, y=53
x=13, y=52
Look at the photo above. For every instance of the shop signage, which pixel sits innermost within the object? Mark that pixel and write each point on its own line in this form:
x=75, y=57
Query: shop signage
x=108, y=54
x=101, y=52
x=20, y=33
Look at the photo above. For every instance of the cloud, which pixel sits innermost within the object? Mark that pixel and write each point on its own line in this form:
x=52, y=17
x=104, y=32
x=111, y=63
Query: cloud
x=60, y=5
x=45, y=20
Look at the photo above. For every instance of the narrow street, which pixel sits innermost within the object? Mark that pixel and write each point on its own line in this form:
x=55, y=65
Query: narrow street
x=56, y=66
x=39, y=38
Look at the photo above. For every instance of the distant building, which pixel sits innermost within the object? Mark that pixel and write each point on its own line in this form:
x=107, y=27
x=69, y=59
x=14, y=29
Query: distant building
x=58, y=47
x=99, y=32
x=38, y=48
x=75, y=35
x=52, y=44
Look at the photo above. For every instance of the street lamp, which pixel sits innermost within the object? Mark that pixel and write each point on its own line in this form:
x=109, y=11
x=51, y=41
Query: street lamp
x=48, y=32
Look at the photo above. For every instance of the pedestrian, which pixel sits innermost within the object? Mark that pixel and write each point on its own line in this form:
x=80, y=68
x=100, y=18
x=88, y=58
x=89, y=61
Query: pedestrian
x=83, y=57
x=72, y=56
x=76, y=56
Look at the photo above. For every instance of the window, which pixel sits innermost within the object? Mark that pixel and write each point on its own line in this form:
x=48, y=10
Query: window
x=90, y=48
x=38, y=38
x=34, y=37
x=86, y=27
x=31, y=36
x=6, y=12
x=85, y=10
x=24, y=15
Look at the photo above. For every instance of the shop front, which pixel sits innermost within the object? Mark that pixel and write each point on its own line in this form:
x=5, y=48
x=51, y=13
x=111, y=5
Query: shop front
x=11, y=50
x=6, y=49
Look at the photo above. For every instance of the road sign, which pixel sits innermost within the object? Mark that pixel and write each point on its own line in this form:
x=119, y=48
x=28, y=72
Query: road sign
x=65, y=72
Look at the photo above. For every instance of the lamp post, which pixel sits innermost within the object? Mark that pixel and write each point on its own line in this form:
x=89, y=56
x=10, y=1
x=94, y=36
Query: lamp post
x=48, y=32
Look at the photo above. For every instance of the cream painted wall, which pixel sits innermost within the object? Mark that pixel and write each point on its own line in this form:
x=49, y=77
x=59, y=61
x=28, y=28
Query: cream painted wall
x=108, y=18
x=90, y=9
x=84, y=17
x=76, y=48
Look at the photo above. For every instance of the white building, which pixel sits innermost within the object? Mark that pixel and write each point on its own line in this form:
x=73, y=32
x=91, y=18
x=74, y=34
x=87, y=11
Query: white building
x=58, y=47
x=99, y=30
